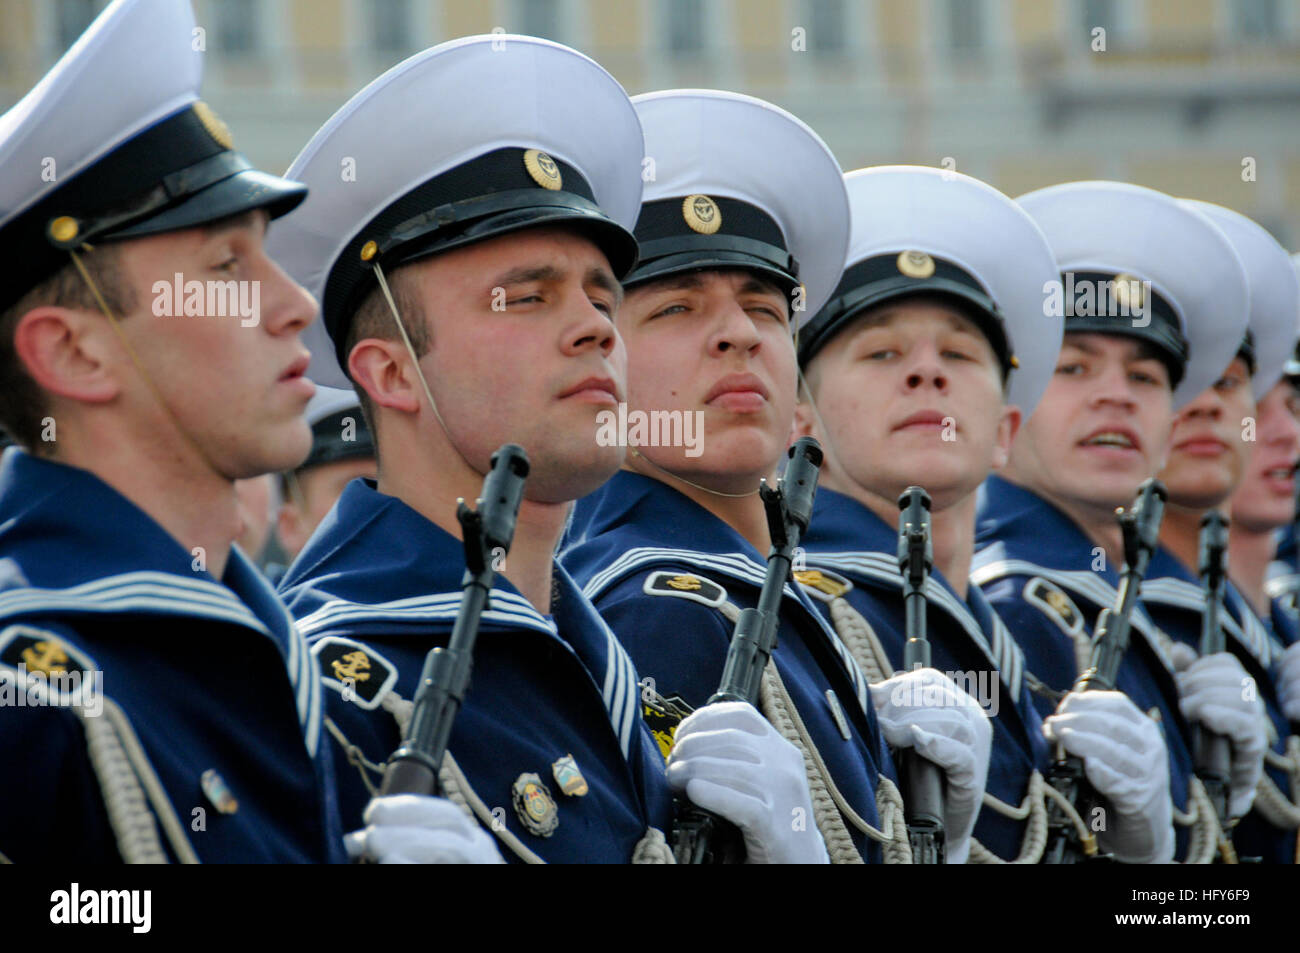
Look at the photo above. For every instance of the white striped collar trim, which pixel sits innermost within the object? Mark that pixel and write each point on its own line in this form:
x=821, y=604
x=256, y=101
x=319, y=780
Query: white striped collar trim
x=734, y=566
x=142, y=591
x=1083, y=583
x=1188, y=595
x=619, y=692
x=503, y=607
x=170, y=594
x=1003, y=653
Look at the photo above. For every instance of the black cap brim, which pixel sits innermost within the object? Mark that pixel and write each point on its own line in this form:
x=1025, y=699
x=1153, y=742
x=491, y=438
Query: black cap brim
x=242, y=192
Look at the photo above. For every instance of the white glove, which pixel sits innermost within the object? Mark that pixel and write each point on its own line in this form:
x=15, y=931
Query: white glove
x=1288, y=682
x=1125, y=759
x=1217, y=692
x=925, y=710
x=1182, y=655
x=416, y=829
x=730, y=761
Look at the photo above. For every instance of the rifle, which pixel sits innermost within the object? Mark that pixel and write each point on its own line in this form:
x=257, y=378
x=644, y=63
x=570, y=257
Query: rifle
x=700, y=836
x=1140, y=525
x=488, y=532
x=922, y=779
x=1213, y=752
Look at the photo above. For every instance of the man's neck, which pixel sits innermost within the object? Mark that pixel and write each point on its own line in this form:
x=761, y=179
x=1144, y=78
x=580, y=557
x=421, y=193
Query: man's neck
x=434, y=495
x=1096, y=521
x=952, y=530
x=1180, y=533
x=745, y=514
x=1249, y=553
x=194, y=505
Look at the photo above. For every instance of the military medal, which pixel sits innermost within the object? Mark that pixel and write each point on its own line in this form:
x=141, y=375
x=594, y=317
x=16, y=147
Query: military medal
x=214, y=788
x=568, y=777
x=534, y=805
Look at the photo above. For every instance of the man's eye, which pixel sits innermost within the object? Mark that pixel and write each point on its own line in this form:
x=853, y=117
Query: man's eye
x=228, y=265
x=883, y=354
x=1069, y=370
x=1142, y=377
x=957, y=355
x=670, y=309
x=1228, y=383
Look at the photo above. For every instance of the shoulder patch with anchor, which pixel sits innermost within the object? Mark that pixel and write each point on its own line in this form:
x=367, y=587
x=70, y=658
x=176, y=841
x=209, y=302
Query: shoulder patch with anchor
x=1055, y=604
x=685, y=586
x=54, y=670
x=356, y=671
x=822, y=583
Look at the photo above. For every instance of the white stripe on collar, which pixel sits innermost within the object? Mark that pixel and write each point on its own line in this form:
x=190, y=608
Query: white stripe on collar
x=1188, y=595
x=734, y=566
x=1083, y=583
x=1002, y=652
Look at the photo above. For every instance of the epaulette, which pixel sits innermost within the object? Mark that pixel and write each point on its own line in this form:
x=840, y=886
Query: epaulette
x=822, y=584
x=685, y=586
x=355, y=671
x=1055, y=604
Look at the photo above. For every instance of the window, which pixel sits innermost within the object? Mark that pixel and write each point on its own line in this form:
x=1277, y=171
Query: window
x=1099, y=13
x=237, y=26
x=390, y=25
x=71, y=19
x=686, y=27
x=540, y=18
x=965, y=26
x=828, y=26
x=1255, y=19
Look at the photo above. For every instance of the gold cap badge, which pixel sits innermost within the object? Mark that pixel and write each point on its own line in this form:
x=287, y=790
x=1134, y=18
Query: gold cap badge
x=1127, y=291
x=543, y=169
x=915, y=264
x=64, y=229
x=217, y=129
x=702, y=214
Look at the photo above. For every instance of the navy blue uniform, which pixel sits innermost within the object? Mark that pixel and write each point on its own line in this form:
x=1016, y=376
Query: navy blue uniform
x=1173, y=596
x=967, y=640
x=658, y=566
x=1039, y=571
x=212, y=676
x=379, y=578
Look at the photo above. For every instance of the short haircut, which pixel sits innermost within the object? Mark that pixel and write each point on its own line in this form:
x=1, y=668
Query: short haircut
x=22, y=402
x=373, y=319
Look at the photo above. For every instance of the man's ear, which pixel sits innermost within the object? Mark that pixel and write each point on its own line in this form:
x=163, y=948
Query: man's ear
x=1008, y=427
x=69, y=352
x=804, y=421
x=383, y=369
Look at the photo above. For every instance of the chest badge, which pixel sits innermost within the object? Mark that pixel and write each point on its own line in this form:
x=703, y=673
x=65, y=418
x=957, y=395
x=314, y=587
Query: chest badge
x=216, y=791
x=534, y=805
x=568, y=777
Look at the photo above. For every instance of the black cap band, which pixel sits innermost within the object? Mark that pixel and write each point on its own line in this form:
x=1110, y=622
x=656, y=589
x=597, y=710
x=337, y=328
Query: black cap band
x=882, y=278
x=1247, y=352
x=745, y=237
x=328, y=444
x=486, y=197
x=1154, y=320
x=175, y=174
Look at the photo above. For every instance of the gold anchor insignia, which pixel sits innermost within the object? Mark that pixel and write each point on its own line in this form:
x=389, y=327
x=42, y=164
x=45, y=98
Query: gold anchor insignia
x=684, y=582
x=355, y=662
x=1059, y=602
x=815, y=578
x=47, y=657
